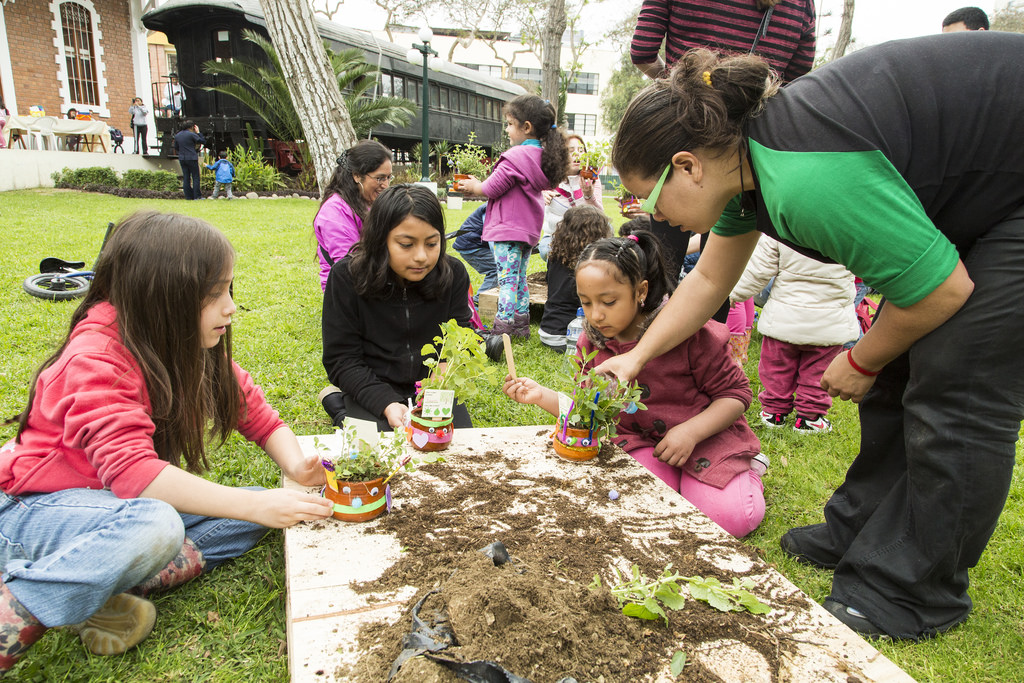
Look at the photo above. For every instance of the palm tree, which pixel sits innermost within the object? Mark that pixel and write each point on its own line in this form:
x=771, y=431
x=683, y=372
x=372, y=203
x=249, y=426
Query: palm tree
x=262, y=88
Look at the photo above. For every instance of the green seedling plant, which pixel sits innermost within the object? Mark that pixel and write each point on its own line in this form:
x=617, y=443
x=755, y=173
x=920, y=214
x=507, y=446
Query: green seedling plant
x=597, y=400
x=470, y=158
x=645, y=599
x=356, y=460
x=457, y=361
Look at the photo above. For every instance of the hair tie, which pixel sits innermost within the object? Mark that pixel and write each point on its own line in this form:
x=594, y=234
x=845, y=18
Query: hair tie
x=634, y=238
x=554, y=126
x=343, y=160
x=707, y=79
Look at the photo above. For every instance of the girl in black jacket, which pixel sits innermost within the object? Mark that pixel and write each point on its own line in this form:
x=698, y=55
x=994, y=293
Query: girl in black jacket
x=385, y=300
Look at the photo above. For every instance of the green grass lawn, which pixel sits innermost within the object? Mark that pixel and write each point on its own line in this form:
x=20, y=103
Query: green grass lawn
x=230, y=625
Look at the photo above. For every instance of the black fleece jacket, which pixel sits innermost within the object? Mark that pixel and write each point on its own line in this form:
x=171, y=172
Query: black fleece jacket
x=372, y=345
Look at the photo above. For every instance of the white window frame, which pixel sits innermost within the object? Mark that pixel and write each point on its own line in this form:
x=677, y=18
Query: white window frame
x=62, y=62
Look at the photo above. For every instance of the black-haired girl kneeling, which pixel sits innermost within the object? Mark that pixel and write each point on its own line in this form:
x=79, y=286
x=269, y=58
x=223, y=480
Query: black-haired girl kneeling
x=385, y=300
x=693, y=435
x=94, y=504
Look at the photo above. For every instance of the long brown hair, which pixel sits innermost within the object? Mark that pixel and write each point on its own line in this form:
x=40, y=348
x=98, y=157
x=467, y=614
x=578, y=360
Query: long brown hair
x=158, y=271
x=703, y=104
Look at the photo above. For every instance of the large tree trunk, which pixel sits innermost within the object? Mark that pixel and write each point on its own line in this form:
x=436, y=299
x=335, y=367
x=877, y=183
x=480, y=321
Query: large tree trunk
x=315, y=94
x=845, y=31
x=551, y=49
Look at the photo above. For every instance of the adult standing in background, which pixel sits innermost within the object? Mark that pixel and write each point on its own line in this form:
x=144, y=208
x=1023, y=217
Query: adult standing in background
x=186, y=144
x=140, y=124
x=174, y=96
x=965, y=19
x=779, y=31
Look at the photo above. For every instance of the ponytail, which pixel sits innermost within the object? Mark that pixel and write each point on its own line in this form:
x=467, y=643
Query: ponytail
x=638, y=256
x=554, y=160
x=704, y=104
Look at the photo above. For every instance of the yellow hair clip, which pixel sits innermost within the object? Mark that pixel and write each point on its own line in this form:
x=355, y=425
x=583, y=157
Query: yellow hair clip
x=707, y=78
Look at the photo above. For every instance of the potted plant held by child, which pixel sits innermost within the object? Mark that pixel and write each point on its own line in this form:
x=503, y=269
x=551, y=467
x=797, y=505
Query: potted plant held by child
x=469, y=159
x=458, y=369
x=593, y=160
x=628, y=202
x=358, y=472
x=591, y=413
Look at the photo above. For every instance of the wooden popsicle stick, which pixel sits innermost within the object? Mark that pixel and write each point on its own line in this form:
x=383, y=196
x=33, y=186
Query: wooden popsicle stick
x=508, y=355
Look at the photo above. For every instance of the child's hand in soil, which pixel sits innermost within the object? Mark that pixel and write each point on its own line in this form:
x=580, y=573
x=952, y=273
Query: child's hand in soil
x=677, y=446
x=523, y=390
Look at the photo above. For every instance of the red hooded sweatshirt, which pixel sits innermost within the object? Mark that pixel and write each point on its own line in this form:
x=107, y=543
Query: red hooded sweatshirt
x=89, y=425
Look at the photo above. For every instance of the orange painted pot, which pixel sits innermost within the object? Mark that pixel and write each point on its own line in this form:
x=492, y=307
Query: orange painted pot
x=578, y=445
x=428, y=434
x=590, y=173
x=629, y=205
x=359, y=501
x=458, y=177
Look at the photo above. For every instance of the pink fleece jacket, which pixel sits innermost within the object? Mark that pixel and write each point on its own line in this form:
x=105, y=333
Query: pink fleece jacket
x=336, y=227
x=515, y=206
x=89, y=425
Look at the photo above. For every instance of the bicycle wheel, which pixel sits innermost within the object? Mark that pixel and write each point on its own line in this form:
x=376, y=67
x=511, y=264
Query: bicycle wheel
x=56, y=287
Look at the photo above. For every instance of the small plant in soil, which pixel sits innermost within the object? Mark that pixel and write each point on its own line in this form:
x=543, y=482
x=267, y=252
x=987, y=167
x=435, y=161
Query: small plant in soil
x=356, y=460
x=597, y=400
x=469, y=158
x=645, y=599
x=622, y=194
x=458, y=362
x=594, y=159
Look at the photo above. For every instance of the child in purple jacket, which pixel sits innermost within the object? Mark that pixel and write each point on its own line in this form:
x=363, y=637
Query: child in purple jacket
x=538, y=160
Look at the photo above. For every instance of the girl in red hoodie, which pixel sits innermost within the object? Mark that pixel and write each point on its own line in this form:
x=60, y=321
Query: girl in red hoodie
x=693, y=435
x=96, y=506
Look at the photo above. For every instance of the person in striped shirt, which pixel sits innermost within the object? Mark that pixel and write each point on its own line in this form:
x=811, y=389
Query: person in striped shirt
x=786, y=39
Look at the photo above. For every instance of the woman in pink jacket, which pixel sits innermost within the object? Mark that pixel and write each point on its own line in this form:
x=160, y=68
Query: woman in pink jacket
x=97, y=508
x=537, y=161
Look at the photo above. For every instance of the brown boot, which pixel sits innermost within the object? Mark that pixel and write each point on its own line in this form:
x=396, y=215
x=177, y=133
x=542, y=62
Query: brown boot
x=18, y=629
x=186, y=565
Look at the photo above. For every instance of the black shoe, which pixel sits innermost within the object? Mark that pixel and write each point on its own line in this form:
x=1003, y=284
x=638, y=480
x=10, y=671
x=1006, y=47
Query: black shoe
x=333, y=401
x=810, y=545
x=494, y=347
x=855, y=620
x=557, y=349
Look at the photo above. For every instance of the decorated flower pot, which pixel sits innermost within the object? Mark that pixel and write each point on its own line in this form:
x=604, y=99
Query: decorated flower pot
x=458, y=177
x=429, y=434
x=589, y=172
x=358, y=501
x=628, y=205
x=576, y=444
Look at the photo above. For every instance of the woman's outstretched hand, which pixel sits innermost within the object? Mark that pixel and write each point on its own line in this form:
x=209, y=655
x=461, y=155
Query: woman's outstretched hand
x=624, y=368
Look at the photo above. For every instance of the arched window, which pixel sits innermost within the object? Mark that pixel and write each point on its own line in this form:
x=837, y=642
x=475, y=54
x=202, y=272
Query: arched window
x=79, y=53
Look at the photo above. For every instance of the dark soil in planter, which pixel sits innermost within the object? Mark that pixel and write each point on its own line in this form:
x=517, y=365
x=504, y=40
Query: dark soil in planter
x=536, y=616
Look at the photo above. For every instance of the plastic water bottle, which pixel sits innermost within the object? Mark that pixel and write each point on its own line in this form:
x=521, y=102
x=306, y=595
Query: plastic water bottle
x=572, y=333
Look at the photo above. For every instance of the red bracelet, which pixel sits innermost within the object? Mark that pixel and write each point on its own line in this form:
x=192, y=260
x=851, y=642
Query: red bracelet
x=869, y=373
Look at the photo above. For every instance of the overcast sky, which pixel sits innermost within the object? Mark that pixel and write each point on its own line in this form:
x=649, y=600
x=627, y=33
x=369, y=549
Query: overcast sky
x=875, y=21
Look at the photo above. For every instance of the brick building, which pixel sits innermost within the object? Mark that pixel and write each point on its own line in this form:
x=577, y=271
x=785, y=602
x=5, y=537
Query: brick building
x=87, y=54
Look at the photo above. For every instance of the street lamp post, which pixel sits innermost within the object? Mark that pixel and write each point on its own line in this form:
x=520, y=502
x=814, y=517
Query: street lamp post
x=423, y=52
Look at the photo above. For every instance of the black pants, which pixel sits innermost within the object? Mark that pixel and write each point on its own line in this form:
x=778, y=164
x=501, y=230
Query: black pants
x=190, y=179
x=938, y=436
x=140, y=139
x=460, y=416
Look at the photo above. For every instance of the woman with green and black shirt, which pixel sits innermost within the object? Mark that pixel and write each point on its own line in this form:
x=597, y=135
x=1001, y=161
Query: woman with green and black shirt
x=905, y=163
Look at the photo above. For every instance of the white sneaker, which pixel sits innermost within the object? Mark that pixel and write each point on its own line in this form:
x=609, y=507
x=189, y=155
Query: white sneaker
x=812, y=425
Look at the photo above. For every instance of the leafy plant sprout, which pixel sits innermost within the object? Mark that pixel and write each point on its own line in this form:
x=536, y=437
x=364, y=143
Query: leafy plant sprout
x=644, y=599
x=458, y=361
x=597, y=400
x=356, y=460
x=470, y=158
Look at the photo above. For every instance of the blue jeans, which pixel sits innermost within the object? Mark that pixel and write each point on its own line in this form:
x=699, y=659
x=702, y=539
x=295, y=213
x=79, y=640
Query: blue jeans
x=64, y=554
x=482, y=260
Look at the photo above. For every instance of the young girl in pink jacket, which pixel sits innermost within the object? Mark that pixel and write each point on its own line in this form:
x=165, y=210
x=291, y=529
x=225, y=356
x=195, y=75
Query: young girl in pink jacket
x=693, y=435
x=537, y=161
x=99, y=503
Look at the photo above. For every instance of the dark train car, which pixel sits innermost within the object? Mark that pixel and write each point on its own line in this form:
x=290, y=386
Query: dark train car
x=461, y=100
